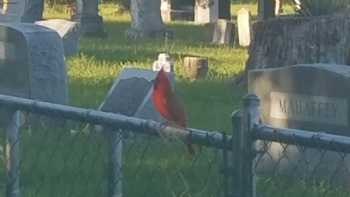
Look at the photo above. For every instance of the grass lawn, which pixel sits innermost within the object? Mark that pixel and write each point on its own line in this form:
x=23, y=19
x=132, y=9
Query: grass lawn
x=58, y=163
x=99, y=61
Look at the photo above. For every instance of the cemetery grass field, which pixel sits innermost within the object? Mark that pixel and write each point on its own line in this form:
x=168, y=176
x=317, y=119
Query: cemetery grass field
x=208, y=102
x=72, y=162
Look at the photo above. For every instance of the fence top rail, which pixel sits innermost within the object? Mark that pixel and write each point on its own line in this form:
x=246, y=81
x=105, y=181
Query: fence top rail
x=114, y=121
x=310, y=139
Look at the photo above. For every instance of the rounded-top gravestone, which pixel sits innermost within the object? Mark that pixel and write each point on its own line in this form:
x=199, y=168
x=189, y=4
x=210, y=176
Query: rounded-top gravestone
x=32, y=63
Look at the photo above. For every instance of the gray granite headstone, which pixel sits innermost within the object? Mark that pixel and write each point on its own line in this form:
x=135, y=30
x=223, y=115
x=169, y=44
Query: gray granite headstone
x=33, y=55
x=243, y=26
x=311, y=97
x=32, y=63
x=130, y=94
x=68, y=31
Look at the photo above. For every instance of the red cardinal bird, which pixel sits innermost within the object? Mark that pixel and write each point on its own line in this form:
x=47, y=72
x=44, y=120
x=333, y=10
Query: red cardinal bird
x=167, y=104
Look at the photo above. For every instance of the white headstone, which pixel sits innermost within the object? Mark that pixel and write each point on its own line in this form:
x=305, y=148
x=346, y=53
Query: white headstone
x=206, y=11
x=165, y=8
x=243, y=25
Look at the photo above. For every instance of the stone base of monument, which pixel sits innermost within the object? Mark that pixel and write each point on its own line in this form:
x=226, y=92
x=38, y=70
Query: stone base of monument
x=310, y=97
x=282, y=41
x=90, y=25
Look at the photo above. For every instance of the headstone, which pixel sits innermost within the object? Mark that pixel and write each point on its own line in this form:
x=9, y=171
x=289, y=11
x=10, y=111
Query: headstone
x=310, y=97
x=183, y=14
x=196, y=67
x=33, y=11
x=146, y=20
x=278, y=7
x=165, y=8
x=164, y=61
x=206, y=11
x=266, y=9
x=32, y=63
x=224, y=32
x=243, y=26
x=91, y=23
x=130, y=94
x=68, y=31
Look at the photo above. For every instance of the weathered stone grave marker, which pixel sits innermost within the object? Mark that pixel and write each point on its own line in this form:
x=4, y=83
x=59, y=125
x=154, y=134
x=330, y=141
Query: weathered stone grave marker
x=68, y=31
x=223, y=32
x=243, y=25
x=130, y=94
x=206, y=11
x=32, y=63
x=310, y=97
x=196, y=67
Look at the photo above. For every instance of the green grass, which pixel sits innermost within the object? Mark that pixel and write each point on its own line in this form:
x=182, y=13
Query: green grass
x=99, y=61
x=58, y=163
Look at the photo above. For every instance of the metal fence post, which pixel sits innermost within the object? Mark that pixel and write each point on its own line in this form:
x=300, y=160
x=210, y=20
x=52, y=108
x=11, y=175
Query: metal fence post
x=13, y=155
x=115, y=139
x=243, y=148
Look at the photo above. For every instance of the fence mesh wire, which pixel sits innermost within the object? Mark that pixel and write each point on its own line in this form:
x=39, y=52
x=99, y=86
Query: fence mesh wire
x=69, y=158
x=285, y=170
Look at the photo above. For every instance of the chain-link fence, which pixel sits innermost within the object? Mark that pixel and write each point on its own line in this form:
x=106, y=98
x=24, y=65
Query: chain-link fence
x=56, y=150
x=271, y=162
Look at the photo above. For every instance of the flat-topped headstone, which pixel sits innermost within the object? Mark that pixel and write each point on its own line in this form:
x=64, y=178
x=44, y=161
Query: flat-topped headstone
x=206, y=11
x=311, y=97
x=243, y=26
x=32, y=63
x=68, y=31
x=130, y=94
x=223, y=32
